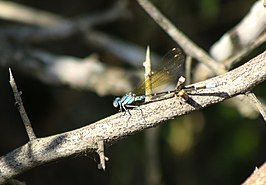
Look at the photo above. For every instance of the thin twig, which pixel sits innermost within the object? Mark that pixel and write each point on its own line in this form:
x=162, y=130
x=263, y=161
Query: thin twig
x=128, y=52
x=100, y=151
x=190, y=48
x=147, y=75
x=248, y=111
x=258, y=104
x=19, y=104
x=152, y=164
x=188, y=69
x=151, y=135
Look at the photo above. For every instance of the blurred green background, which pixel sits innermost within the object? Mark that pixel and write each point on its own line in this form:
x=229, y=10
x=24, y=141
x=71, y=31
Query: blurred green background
x=217, y=145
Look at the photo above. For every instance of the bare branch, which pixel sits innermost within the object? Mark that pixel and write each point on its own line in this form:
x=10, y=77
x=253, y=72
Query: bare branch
x=67, y=28
x=237, y=42
x=111, y=129
x=24, y=14
x=151, y=135
x=249, y=110
x=244, y=51
x=59, y=27
x=147, y=75
x=258, y=177
x=258, y=104
x=41, y=64
x=188, y=69
x=152, y=165
x=32, y=16
x=190, y=48
x=100, y=151
x=21, y=109
x=74, y=72
x=243, y=38
x=87, y=73
x=129, y=52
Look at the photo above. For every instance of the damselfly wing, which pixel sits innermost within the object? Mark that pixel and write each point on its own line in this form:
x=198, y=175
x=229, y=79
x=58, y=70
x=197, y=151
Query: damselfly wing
x=169, y=72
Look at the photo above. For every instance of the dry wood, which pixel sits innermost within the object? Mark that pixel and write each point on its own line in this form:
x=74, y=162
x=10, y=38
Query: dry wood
x=111, y=129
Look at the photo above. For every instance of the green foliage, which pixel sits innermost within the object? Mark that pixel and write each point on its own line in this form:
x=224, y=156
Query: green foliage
x=209, y=8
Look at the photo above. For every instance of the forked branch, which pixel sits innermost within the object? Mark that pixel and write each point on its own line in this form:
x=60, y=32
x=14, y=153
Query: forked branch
x=111, y=129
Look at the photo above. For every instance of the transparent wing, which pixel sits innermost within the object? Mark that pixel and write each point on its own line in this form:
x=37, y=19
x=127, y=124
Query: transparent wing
x=167, y=73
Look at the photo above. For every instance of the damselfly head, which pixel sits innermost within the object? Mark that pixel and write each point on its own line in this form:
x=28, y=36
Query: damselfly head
x=116, y=101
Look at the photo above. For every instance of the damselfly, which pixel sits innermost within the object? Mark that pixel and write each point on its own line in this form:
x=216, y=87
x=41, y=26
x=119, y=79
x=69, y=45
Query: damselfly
x=170, y=72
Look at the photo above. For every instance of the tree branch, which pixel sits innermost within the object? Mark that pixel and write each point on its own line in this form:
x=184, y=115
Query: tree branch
x=258, y=104
x=238, y=41
x=116, y=127
x=128, y=52
x=151, y=136
x=24, y=14
x=20, y=106
x=243, y=38
x=190, y=47
x=74, y=72
x=54, y=23
x=258, y=177
x=55, y=69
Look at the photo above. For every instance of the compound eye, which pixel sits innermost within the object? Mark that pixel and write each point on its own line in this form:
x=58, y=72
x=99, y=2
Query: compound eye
x=116, y=102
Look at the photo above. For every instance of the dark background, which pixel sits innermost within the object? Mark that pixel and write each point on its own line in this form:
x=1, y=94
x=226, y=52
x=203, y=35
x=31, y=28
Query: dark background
x=217, y=145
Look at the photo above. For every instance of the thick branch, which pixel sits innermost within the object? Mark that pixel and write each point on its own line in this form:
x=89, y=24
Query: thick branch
x=258, y=177
x=239, y=41
x=243, y=38
x=116, y=127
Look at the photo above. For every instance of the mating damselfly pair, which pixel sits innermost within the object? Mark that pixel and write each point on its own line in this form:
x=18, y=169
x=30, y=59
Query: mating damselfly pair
x=169, y=72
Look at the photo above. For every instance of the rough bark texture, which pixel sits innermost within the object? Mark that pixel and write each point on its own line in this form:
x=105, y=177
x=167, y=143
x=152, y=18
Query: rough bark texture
x=116, y=127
